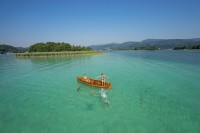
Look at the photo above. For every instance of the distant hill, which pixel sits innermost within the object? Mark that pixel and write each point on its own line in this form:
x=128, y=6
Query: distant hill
x=105, y=46
x=7, y=49
x=150, y=43
x=10, y=49
x=171, y=43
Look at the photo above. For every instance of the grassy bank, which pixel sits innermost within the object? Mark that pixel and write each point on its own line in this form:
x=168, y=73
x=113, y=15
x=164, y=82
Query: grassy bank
x=52, y=54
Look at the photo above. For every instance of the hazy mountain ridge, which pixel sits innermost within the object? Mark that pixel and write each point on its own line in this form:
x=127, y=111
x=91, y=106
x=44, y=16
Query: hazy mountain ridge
x=159, y=43
x=11, y=49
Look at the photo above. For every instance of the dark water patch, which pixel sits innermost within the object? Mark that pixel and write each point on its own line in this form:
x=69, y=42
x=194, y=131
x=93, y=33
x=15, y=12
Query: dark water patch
x=144, y=94
x=89, y=107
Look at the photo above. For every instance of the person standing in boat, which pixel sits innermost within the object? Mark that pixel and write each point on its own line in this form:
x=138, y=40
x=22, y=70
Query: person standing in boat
x=103, y=78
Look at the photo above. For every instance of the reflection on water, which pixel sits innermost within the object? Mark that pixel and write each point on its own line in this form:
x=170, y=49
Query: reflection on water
x=54, y=60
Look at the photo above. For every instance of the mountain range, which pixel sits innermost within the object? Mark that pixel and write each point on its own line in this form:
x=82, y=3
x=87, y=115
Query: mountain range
x=148, y=43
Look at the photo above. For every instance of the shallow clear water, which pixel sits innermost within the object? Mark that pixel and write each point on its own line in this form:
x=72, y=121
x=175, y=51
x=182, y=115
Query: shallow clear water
x=153, y=91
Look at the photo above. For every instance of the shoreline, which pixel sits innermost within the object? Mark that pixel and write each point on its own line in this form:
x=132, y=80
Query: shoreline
x=53, y=54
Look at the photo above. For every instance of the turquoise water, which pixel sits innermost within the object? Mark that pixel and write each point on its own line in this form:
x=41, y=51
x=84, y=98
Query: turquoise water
x=153, y=91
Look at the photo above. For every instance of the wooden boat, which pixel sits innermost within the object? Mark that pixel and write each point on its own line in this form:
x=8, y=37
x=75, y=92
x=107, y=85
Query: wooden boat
x=93, y=82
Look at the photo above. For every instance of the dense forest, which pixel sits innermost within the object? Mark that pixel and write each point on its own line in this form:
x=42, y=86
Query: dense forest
x=56, y=47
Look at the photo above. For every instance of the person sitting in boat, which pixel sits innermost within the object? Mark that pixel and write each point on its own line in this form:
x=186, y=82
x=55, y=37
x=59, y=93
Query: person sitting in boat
x=103, y=80
x=85, y=78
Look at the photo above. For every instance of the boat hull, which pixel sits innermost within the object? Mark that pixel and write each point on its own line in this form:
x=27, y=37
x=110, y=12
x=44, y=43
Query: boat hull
x=95, y=83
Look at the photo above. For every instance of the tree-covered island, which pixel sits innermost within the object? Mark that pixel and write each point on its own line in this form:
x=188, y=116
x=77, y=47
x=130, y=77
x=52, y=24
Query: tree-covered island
x=56, y=47
x=50, y=49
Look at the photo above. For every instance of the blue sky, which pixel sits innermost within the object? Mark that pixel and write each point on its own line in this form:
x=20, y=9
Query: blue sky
x=90, y=22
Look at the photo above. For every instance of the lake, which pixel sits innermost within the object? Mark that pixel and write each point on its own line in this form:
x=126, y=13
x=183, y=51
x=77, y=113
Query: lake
x=152, y=91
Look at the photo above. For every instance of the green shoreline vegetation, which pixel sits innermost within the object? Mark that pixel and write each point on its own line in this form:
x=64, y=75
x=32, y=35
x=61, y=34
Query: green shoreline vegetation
x=53, y=54
x=187, y=47
x=190, y=47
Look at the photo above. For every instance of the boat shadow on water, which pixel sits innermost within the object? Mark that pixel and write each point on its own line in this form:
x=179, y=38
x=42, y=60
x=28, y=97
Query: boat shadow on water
x=89, y=107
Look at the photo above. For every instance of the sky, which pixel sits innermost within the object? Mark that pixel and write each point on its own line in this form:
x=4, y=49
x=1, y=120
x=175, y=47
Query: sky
x=92, y=22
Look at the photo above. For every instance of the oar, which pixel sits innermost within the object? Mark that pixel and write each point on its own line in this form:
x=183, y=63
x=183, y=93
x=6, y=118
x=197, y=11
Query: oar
x=78, y=88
